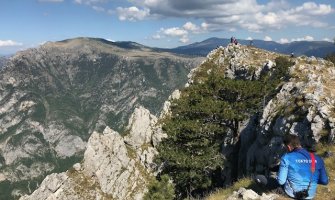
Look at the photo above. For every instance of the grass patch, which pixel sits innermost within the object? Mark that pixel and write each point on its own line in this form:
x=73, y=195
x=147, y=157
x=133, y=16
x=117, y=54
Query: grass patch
x=323, y=191
x=228, y=191
x=326, y=191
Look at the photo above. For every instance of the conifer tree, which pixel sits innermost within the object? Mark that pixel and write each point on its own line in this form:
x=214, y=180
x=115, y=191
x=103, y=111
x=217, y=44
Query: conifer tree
x=202, y=120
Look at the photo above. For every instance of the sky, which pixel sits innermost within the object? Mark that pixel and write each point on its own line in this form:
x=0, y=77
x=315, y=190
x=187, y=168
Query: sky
x=163, y=23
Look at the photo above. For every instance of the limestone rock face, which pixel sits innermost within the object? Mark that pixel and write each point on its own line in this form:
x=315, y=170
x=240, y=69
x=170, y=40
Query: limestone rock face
x=114, y=167
x=304, y=106
x=106, y=158
x=141, y=122
x=51, y=184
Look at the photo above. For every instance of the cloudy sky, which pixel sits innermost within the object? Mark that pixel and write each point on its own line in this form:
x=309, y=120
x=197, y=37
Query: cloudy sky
x=163, y=23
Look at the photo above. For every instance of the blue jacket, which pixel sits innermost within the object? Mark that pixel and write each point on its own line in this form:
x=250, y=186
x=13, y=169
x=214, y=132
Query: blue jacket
x=295, y=172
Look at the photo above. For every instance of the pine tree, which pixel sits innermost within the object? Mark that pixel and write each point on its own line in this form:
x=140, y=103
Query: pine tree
x=160, y=189
x=203, y=119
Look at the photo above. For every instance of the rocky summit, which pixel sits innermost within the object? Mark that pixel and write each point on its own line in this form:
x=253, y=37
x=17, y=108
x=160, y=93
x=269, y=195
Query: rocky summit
x=52, y=99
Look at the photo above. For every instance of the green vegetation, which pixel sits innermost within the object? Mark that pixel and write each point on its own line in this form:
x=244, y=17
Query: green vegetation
x=206, y=116
x=324, y=192
x=226, y=192
x=39, y=113
x=114, y=120
x=160, y=189
x=331, y=57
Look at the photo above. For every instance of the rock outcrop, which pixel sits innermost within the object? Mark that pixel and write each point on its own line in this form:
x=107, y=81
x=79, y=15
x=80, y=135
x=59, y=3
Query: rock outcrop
x=303, y=105
x=114, y=166
x=247, y=194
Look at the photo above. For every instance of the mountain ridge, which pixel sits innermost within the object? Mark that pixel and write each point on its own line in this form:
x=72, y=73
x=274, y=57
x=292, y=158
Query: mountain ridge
x=53, y=97
x=308, y=48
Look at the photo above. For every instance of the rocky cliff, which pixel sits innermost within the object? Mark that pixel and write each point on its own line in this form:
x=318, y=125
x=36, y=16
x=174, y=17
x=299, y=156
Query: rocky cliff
x=114, y=167
x=53, y=97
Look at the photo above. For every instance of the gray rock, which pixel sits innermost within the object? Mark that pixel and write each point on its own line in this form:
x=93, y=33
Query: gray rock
x=244, y=194
x=113, y=166
x=77, y=166
x=269, y=196
x=51, y=184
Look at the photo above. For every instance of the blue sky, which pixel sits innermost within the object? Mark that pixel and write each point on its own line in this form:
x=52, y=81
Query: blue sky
x=163, y=23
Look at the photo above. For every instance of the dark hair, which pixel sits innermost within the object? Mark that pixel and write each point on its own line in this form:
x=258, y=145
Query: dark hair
x=292, y=140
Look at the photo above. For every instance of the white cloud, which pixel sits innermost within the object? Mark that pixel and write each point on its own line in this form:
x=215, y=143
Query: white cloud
x=314, y=9
x=190, y=26
x=327, y=40
x=267, y=38
x=204, y=26
x=132, y=13
x=174, y=32
x=184, y=39
x=306, y=38
x=193, y=28
x=271, y=19
x=283, y=41
x=9, y=43
x=177, y=32
x=249, y=38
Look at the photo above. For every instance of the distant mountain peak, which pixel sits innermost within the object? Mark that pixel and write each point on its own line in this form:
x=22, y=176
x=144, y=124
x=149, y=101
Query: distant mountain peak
x=94, y=42
x=54, y=96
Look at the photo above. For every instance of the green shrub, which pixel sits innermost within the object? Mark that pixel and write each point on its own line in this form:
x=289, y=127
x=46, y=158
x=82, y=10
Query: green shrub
x=331, y=57
x=282, y=68
x=160, y=189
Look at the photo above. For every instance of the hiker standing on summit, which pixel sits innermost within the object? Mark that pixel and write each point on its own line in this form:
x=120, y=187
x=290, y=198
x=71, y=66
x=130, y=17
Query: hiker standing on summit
x=300, y=171
x=233, y=40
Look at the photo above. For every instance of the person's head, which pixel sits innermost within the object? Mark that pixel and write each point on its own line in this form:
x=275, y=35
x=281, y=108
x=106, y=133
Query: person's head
x=291, y=142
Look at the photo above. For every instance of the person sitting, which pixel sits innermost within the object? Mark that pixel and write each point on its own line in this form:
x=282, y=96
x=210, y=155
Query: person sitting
x=300, y=171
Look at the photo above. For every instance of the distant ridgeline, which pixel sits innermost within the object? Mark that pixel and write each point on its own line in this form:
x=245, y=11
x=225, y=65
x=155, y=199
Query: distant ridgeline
x=53, y=97
x=308, y=48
